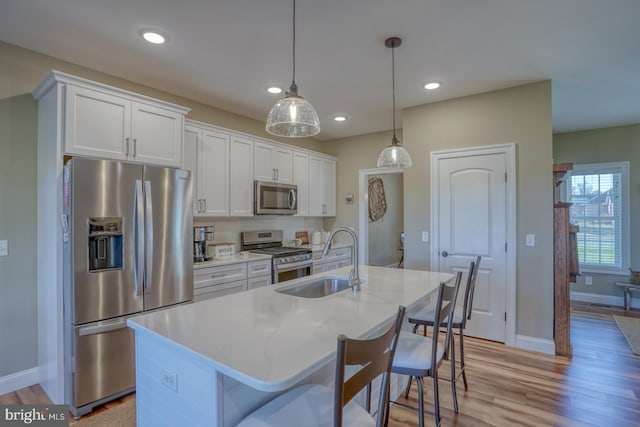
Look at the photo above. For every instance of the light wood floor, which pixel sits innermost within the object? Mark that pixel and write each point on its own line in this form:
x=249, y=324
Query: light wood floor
x=598, y=386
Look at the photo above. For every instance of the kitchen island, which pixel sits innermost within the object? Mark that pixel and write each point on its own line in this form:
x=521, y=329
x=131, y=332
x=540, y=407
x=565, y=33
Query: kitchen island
x=212, y=362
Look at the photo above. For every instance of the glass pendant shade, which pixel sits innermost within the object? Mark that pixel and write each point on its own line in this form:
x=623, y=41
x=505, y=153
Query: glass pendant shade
x=293, y=117
x=394, y=156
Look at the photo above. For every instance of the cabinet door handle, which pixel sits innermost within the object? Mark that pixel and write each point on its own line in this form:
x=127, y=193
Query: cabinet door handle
x=205, y=205
x=135, y=147
x=277, y=174
x=324, y=209
x=126, y=147
x=199, y=206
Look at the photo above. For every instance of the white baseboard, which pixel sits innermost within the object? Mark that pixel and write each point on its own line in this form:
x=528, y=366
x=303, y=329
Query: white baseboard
x=535, y=344
x=604, y=299
x=18, y=380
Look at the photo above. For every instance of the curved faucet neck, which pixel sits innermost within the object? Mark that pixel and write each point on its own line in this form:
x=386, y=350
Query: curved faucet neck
x=354, y=276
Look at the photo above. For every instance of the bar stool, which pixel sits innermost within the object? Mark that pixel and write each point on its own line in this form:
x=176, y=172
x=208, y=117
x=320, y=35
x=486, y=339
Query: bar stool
x=420, y=357
x=426, y=315
x=318, y=405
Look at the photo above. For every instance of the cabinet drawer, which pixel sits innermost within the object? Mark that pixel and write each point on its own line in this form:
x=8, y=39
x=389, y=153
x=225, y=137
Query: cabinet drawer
x=259, y=268
x=332, y=255
x=338, y=254
x=217, y=275
x=208, y=292
x=258, y=282
x=336, y=264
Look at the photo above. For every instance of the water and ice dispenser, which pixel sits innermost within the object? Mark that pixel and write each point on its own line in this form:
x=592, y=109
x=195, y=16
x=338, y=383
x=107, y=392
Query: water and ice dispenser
x=105, y=244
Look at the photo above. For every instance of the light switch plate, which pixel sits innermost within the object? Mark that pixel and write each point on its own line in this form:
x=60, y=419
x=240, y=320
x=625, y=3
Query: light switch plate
x=425, y=236
x=4, y=247
x=531, y=240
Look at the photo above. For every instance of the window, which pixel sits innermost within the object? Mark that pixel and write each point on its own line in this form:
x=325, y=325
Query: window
x=600, y=197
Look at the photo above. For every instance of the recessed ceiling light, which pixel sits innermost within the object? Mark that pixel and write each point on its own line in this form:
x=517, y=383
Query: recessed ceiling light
x=153, y=36
x=432, y=85
x=339, y=118
x=274, y=90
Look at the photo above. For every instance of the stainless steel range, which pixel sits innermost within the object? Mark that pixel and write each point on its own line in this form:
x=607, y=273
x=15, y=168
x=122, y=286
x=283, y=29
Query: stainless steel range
x=287, y=263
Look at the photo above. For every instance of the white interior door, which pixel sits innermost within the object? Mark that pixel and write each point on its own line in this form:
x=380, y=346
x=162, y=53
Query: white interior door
x=471, y=209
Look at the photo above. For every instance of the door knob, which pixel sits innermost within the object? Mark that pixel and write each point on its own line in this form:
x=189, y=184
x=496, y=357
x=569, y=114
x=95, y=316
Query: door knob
x=445, y=254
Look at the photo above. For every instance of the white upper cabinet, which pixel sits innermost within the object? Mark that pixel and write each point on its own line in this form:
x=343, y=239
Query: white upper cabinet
x=156, y=135
x=206, y=155
x=272, y=163
x=329, y=187
x=190, y=154
x=322, y=186
x=96, y=124
x=241, y=177
x=108, y=123
x=225, y=164
x=214, y=172
x=222, y=167
x=301, y=179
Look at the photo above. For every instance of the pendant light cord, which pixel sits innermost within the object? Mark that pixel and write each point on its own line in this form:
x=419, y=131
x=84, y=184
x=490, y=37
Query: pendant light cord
x=393, y=88
x=294, y=43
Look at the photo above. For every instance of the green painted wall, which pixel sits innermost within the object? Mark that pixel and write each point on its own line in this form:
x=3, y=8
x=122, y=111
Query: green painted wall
x=18, y=319
x=520, y=115
x=613, y=144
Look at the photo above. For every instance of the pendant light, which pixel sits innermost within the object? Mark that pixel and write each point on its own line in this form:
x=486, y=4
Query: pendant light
x=395, y=155
x=293, y=116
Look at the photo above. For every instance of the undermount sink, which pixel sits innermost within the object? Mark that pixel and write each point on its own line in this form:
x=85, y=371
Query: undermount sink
x=317, y=288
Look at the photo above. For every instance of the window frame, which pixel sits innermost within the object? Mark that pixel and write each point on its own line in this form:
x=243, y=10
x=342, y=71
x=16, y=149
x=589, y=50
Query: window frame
x=625, y=243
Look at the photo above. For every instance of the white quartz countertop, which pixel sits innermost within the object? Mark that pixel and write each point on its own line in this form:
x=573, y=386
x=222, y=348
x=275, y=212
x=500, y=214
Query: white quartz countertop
x=271, y=341
x=233, y=259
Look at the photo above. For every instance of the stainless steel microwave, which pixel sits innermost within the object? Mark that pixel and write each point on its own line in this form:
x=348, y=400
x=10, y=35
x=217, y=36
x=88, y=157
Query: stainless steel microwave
x=272, y=198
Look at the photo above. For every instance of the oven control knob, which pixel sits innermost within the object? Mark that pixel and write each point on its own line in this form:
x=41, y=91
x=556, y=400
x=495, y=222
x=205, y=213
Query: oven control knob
x=283, y=260
x=295, y=258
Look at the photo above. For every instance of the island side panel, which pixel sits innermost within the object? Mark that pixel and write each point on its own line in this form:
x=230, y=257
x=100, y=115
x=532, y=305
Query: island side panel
x=173, y=387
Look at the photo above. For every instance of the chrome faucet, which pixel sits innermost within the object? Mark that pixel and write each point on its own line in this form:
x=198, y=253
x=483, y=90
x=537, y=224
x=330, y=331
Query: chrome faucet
x=354, y=276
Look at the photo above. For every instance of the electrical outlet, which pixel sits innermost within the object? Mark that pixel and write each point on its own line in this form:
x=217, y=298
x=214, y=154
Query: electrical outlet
x=588, y=280
x=170, y=380
x=425, y=236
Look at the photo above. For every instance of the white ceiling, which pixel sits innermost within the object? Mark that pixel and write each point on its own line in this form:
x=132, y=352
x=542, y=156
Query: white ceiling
x=227, y=52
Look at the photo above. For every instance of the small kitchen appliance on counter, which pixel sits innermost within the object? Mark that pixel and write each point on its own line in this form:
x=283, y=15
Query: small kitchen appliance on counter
x=200, y=236
x=287, y=263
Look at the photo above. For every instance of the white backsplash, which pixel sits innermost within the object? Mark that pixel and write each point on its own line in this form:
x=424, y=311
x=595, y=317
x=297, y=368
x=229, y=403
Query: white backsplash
x=227, y=230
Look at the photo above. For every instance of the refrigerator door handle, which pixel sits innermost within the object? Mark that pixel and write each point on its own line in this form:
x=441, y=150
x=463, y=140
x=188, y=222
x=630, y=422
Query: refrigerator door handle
x=138, y=217
x=148, y=225
x=100, y=329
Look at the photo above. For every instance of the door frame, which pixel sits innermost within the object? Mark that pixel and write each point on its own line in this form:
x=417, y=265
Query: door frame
x=509, y=150
x=363, y=208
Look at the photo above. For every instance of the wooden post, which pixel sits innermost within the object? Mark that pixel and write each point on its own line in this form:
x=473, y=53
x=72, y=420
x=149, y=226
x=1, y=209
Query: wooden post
x=561, y=265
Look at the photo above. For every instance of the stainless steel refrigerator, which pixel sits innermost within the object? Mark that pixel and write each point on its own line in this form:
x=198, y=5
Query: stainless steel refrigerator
x=127, y=249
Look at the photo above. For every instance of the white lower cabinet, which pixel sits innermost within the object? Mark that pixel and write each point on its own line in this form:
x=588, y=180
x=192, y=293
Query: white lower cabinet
x=336, y=258
x=258, y=282
x=217, y=281
x=220, y=290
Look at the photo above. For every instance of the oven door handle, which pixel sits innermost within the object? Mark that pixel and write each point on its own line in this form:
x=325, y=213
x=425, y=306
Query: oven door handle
x=293, y=266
